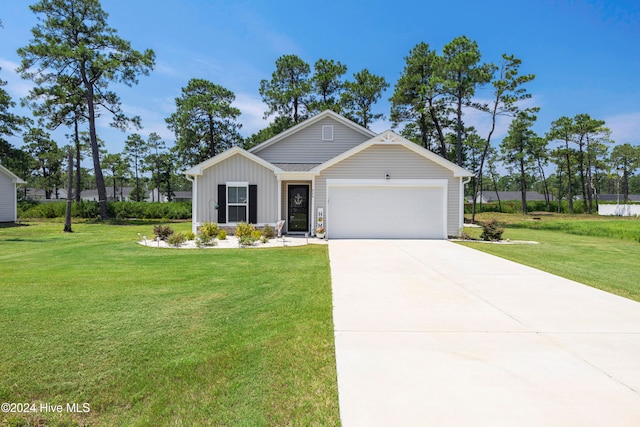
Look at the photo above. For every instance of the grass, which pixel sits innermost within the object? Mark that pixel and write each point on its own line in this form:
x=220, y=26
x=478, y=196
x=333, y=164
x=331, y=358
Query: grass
x=598, y=251
x=152, y=336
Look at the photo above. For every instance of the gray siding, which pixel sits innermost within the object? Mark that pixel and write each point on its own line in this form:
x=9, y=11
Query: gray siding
x=7, y=199
x=401, y=163
x=240, y=169
x=307, y=146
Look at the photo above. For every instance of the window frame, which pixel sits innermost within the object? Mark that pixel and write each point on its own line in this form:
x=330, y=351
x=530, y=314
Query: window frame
x=234, y=184
x=327, y=132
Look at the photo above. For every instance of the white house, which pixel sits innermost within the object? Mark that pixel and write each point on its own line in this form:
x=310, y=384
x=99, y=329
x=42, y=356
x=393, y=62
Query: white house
x=8, y=195
x=332, y=173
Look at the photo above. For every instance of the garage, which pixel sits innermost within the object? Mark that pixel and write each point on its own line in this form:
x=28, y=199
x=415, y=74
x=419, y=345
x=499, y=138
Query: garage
x=401, y=209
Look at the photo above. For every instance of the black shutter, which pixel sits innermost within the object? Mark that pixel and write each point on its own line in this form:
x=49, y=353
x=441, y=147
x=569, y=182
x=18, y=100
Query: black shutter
x=253, y=204
x=222, y=204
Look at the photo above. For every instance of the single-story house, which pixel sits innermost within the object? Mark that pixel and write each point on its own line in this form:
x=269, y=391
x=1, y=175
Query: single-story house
x=41, y=195
x=329, y=172
x=8, y=195
x=489, y=196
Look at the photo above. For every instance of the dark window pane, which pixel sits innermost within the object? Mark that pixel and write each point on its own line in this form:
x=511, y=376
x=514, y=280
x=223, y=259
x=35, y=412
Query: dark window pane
x=233, y=195
x=237, y=214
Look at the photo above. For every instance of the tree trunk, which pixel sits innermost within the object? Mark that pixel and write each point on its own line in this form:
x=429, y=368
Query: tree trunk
x=523, y=187
x=78, y=155
x=589, y=179
x=495, y=188
x=434, y=119
x=569, y=190
x=582, y=179
x=459, y=131
x=67, y=215
x=546, y=187
x=95, y=149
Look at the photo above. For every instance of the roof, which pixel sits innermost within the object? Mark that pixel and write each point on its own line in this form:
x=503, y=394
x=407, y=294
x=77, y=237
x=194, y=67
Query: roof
x=310, y=121
x=491, y=196
x=199, y=168
x=15, y=178
x=389, y=137
x=296, y=167
x=616, y=197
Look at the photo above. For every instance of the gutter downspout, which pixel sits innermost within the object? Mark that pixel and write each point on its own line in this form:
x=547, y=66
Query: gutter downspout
x=194, y=196
x=463, y=182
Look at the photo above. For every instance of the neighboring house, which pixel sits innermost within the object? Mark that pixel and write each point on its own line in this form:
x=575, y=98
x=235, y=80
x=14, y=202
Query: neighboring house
x=489, y=196
x=39, y=194
x=178, y=196
x=121, y=194
x=8, y=195
x=633, y=198
x=328, y=171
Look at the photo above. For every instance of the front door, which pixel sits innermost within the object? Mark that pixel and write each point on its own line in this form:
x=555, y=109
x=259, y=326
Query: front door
x=298, y=210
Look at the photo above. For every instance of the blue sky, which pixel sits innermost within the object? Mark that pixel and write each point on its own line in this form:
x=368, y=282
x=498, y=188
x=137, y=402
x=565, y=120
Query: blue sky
x=585, y=53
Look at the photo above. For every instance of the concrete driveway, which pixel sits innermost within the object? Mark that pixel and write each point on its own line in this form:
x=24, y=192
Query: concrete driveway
x=431, y=333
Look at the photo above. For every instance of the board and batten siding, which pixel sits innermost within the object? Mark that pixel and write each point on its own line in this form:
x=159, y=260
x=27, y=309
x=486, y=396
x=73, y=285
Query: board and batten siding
x=7, y=198
x=307, y=146
x=237, y=168
x=400, y=163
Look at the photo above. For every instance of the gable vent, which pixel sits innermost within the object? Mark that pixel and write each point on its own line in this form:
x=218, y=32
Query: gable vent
x=327, y=133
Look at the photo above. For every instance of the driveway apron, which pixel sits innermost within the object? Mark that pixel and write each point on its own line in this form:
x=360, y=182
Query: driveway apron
x=431, y=333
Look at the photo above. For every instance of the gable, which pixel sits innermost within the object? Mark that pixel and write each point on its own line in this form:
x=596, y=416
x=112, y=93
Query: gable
x=409, y=151
x=6, y=174
x=375, y=161
x=224, y=156
x=316, y=140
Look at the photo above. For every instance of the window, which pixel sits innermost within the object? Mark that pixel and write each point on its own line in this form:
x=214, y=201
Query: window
x=327, y=133
x=237, y=202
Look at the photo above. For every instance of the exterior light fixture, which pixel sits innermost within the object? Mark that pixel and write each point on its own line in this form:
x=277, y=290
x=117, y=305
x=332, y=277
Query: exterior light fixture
x=387, y=176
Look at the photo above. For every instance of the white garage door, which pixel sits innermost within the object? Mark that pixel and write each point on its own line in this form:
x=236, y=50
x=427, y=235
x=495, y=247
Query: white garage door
x=386, y=211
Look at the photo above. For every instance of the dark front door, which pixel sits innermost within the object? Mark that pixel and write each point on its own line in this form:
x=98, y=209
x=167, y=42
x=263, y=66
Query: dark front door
x=298, y=214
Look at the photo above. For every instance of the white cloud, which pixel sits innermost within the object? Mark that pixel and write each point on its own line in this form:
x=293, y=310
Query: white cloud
x=16, y=86
x=624, y=127
x=380, y=126
x=252, y=109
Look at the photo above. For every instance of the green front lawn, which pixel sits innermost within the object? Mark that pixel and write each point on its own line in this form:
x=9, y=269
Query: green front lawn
x=602, y=252
x=151, y=336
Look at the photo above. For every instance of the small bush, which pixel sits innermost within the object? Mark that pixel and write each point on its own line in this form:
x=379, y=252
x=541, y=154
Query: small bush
x=190, y=235
x=210, y=229
x=246, y=241
x=222, y=235
x=269, y=232
x=491, y=231
x=255, y=234
x=203, y=240
x=162, y=232
x=244, y=230
x=264, y=239
x=176, y=239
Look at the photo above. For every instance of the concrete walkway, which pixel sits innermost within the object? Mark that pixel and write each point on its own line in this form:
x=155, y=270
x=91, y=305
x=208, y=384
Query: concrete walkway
x=430, y=333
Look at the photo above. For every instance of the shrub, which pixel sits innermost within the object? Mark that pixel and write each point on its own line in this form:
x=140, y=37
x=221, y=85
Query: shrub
x=204, y=240
x=255, y=234
x=176, y=239
x=491, y=231
x=269, y=232
x=264, y=239
x=190, y=235
x=210, y=229
x=162, y=232
x=246, y=241
x=222, y=235
x=244, y=230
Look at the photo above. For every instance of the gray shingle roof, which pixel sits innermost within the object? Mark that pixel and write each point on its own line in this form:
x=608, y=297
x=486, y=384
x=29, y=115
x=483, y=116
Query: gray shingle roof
x=296, y=167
